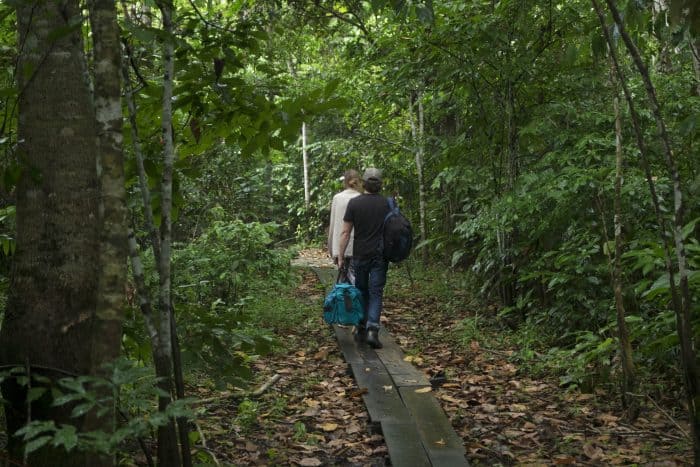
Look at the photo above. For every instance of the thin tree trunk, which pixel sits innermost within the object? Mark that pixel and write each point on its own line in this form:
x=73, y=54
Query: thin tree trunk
x=167, y=440
x=629, y=384
x=182, y=423
x=142, y=291
x=305, y=158
x=418, y=133
x=183, y=427
x=112, y=208
x=138, y=153
x=683, y=312
x=695, y=52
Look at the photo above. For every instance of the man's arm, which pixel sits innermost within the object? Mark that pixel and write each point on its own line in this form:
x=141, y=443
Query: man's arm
x=344, y=240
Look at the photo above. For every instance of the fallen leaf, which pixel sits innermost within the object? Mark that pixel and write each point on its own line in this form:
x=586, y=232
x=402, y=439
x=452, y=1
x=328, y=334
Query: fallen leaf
x=358, y=392
x=607, y=418
x=594, y=453
x=440, y=442
x=310, y=462
x=329, y=426
x=448, y=398
x=424, y=390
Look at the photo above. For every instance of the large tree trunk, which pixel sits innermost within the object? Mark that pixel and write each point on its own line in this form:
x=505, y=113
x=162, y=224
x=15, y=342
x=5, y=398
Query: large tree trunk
x=50, y=315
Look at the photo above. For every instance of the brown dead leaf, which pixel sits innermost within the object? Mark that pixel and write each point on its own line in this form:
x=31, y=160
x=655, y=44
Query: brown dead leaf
x=592, y=452
x=358, y=392
x=448, y=398
x=250, y=447
x=424, y=390
x=474, y=345
x=608, y=419
x=321, y=354
x=310, y=462
x=413, y=359
x=327, y=427
x=564, y=460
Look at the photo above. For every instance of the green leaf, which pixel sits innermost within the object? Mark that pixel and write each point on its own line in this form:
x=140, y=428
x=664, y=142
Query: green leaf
x=35, y=393
x=35, y=444
x=67, y=437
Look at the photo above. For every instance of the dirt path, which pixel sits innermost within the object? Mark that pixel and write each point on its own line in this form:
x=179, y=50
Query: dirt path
x=315, y=415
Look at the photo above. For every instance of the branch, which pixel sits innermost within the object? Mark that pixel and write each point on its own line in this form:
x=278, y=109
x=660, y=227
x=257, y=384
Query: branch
x=261, y=390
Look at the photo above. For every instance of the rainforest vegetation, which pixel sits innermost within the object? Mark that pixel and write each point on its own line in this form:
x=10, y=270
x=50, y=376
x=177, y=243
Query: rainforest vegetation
x=165, y=160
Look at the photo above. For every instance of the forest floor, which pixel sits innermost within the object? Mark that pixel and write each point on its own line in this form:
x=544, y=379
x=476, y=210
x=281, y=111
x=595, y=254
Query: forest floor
x=314, y=413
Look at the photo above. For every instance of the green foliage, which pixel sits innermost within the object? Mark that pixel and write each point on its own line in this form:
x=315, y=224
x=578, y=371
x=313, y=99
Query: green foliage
x=129, y=388
x=219, y=274
x=247, y=415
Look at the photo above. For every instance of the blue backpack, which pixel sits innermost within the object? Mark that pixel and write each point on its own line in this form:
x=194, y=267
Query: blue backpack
x=344, y=305
x=397, y=238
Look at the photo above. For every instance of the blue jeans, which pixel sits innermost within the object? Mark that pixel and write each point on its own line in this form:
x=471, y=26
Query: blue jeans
x=370, y=278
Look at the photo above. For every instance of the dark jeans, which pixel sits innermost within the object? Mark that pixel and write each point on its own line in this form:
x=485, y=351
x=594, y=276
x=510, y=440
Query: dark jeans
x=370, y=278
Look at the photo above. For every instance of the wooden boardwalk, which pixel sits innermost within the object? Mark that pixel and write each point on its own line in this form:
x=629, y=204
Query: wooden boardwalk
x=399, y=400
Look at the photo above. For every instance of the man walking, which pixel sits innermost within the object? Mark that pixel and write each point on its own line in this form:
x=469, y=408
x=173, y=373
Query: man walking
x=365, y=214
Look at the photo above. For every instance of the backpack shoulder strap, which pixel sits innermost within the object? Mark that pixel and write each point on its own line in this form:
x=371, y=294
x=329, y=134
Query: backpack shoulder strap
x=392, y=203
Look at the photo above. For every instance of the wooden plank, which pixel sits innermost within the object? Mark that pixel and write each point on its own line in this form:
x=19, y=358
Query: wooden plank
x=402, y=372
x=353, y=352
x=443, y=445
x=327, y=276
x=382, y=397
x=404, y=444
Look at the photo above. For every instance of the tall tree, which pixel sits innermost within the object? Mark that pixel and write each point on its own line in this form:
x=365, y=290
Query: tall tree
x=55, y=316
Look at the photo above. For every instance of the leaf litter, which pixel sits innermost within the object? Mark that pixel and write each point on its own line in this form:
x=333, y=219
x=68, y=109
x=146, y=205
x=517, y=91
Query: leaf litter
x=504, y=416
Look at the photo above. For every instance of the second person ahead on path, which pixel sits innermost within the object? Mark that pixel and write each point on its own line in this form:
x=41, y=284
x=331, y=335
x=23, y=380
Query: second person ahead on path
x=353, y=188
x=365, y=214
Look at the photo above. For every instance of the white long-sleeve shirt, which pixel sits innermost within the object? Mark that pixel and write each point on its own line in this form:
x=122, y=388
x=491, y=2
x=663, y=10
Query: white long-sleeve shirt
x=338, y=207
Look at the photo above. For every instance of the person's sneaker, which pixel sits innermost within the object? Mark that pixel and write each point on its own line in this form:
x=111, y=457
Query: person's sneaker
x=360, y=333
x=373, y=338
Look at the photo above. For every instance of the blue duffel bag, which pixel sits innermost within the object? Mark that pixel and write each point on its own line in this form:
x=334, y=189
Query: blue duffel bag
x=344, y=305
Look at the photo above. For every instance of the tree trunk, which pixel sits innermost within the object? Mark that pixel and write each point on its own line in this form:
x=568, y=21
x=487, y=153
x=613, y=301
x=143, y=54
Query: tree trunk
x=418, y=133
x=112, y=207
x=629, y=383
x=138, y=153
x=167, y=440
x=305, y=160
x=508, y=239
x=50, y=314
x=695, y=52
x=683, y=309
